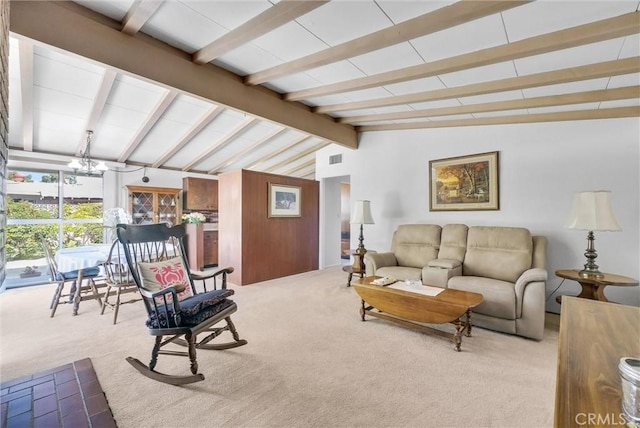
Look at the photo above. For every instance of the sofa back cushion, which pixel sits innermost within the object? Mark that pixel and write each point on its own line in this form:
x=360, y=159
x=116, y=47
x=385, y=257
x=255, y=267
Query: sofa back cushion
x=415, y=245
x=453, y=242
x=502, y=253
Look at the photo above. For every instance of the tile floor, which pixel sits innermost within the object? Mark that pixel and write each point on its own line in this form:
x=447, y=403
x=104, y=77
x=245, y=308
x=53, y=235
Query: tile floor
x=66, y=396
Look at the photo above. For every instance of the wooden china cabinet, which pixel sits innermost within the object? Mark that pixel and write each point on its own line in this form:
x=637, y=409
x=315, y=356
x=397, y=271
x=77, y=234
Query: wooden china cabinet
x=154, y=204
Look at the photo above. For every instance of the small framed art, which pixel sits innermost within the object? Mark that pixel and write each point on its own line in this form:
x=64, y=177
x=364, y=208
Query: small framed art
x=284, y=201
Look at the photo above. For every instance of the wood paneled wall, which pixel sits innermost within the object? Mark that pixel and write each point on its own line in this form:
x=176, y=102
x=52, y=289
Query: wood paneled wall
x=260, y=248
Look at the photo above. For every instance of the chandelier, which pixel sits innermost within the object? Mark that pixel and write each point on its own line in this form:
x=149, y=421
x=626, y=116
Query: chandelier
x=86, y=165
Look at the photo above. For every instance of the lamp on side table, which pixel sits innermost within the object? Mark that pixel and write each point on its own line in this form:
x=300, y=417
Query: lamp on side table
x=361, y=215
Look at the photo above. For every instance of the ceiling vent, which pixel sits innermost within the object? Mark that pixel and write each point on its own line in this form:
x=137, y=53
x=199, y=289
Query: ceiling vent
x=334, y=159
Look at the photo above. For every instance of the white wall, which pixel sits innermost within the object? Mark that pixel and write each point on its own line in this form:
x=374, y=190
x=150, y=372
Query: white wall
x=541, y=166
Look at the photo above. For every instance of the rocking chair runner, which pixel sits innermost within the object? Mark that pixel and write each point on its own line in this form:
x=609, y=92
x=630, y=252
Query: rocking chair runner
x=176, y=312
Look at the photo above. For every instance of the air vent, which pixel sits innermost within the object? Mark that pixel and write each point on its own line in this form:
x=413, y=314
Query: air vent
x=334, y=159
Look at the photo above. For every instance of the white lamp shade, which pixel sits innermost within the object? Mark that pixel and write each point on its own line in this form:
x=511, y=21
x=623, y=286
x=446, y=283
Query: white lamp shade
x=592, y=211
x=362, y=213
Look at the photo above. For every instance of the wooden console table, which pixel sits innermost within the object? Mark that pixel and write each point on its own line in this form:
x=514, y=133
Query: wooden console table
x=593, y=287
x=593, y=337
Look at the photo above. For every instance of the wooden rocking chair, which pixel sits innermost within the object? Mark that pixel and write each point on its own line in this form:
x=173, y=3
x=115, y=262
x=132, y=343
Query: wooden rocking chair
x=176, y=312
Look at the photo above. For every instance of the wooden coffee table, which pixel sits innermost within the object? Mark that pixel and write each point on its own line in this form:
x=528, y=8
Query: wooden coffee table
x=409, y=308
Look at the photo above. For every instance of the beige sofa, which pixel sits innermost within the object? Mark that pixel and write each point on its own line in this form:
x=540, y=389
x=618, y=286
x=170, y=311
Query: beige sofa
x=505, y=264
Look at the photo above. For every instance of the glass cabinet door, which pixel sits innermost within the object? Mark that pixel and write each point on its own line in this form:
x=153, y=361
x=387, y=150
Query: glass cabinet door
x=154, y=205
x=142, y=207
x=167, y=208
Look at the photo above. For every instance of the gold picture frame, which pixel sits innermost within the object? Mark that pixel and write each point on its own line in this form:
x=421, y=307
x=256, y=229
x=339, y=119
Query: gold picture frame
x=284, y=200
x=465, y=183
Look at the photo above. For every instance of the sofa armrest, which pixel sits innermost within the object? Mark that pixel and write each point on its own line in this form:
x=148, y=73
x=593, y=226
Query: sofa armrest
x=529, y=276
x=374, y=261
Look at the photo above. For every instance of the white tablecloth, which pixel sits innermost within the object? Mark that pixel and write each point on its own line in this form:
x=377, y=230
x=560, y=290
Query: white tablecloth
x=74, y=258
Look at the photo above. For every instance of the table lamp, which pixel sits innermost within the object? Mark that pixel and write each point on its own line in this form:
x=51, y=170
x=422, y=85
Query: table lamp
x=361, y=215
x=592, y=211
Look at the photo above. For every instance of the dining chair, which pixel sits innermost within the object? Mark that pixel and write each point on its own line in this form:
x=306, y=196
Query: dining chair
x=61, y=278
x=118, y=280
x=176, y=312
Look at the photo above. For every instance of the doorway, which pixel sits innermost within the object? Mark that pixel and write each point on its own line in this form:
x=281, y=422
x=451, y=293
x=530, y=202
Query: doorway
x=335, y=216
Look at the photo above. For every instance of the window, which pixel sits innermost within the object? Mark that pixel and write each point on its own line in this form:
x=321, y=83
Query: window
x=67, y=212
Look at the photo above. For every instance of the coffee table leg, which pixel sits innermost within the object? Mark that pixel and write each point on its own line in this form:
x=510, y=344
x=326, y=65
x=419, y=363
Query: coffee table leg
x=362, y=309
x=469, y=323
x=457, y=336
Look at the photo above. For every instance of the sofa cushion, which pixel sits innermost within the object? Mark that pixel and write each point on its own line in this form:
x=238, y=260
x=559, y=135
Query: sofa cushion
x=400, y=272
x=453, y=242
x=415, y=245
x=499, y=296
x=498, y=252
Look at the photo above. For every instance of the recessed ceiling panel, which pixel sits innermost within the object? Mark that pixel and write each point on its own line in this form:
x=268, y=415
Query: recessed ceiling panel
x=490, y=98
x=574, y=57
x=541, y=17
x=417, y=85
x=289, y=42
x=476, y=35
x=503, y=70
x=391, y=58
x=247, y=59
x=116, y=9
x=400, y=11
x=566, y=88
x=229, y=14
x=341, y=21
x=182, y=27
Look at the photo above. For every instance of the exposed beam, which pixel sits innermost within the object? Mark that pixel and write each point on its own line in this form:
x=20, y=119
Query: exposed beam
x=99, y=102
x=297, y=156
x=272, y=18
x=206, y=119
x=81, y=31
x=299, y=167
x=627, y=92
x=279, y=151
x=25, y=52
x=264, y=140
x=574, y=74
x=598, y=31
x=440, y=19
x=138, y=14
x=610, y=113
x=237, y=131
x=159, y=109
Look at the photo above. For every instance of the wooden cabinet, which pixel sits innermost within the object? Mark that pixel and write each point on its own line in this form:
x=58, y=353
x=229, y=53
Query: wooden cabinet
x=210, y=247
x=200, y=194
x=154, y=204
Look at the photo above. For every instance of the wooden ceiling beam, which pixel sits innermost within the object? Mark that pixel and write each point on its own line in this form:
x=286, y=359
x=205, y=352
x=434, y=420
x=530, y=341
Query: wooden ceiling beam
x=100, y=100
x=195, y=129
x=594, y=32
x=303, y=165
x=573, y=74
x=264, y=140
x=161, y=106
x=279, y=151
x=609, y=113
x=440, y=19
x=297, y=156
x=25, y=54
x=228, y=138
x=138, y=14
x=623, y=93
x=272, y=18
x=83, y=32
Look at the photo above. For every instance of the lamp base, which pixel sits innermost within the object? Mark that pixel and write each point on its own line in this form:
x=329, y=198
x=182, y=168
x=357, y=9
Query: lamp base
x=585, y=273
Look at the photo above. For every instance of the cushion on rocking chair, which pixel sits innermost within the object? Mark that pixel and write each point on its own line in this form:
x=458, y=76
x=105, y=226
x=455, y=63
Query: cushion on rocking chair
x=88, y=273
x=193, y=310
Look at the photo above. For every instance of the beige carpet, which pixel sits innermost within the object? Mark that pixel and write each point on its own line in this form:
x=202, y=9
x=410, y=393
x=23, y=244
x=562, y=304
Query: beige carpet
x=310, y=362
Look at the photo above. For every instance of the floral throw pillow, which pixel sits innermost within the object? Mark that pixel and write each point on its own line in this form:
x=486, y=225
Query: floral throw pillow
x=160, y=275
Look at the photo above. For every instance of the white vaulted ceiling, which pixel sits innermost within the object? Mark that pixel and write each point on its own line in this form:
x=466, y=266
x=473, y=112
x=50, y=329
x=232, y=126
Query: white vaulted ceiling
x=215, y=86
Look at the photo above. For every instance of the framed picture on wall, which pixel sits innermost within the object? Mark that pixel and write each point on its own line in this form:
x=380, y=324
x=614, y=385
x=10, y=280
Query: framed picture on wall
x=284, y=201
x=464, y=183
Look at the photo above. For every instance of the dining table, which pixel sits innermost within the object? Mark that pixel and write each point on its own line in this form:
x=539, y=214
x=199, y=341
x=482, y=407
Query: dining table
x=81, y=258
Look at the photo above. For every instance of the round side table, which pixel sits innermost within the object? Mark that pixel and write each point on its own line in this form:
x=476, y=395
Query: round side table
x=593, y=286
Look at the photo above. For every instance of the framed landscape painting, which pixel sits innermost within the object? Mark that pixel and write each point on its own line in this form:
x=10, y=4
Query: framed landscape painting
x=464, y=183
x=284, y=201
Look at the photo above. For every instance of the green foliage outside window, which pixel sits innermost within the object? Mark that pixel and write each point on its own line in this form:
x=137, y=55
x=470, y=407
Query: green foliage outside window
x=23, y=240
